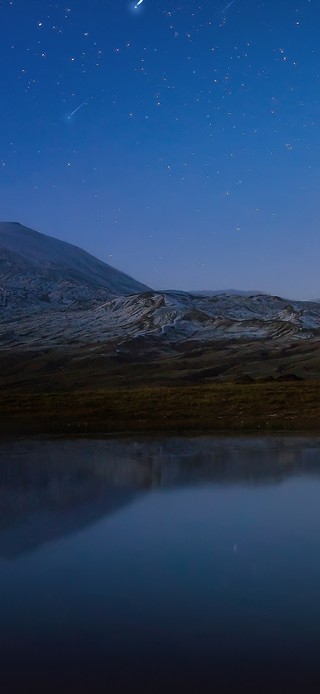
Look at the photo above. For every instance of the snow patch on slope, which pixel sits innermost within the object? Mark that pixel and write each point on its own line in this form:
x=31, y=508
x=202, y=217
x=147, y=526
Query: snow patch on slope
x=170, y=319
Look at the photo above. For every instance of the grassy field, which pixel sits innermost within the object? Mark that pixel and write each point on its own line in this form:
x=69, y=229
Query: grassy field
x=218, y=387
x=262, y=407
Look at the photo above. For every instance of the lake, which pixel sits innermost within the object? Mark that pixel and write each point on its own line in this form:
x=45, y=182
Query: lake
x=160, y=565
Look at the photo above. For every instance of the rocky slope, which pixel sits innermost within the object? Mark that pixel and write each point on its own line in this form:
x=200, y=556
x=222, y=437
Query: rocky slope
x=37, y=271
x=171, y=319
x=55, y=299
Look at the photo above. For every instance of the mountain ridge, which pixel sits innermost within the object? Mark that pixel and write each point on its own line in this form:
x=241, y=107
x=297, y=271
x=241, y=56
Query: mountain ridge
x=32, y=235
x=39, y=269
x=64, y=311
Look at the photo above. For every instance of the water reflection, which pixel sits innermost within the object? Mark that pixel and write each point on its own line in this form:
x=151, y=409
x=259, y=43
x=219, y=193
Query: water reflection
x=170, y=565
x=51, y=489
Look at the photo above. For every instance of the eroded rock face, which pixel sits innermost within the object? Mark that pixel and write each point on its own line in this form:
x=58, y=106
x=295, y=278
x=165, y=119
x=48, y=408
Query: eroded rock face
x=170, y=318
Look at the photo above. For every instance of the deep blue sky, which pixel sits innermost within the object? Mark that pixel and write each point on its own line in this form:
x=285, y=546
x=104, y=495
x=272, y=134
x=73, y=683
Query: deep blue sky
x=194, y=162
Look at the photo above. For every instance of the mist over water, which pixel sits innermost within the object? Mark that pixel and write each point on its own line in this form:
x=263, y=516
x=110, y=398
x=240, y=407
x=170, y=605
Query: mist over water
x=181, y=564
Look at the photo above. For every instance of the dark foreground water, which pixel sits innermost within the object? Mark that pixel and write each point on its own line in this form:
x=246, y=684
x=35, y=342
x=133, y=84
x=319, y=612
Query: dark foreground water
x=175, y=565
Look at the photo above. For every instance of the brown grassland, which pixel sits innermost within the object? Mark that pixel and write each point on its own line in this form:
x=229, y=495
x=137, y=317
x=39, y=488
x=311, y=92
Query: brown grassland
x=217, y=407
x=231, y=388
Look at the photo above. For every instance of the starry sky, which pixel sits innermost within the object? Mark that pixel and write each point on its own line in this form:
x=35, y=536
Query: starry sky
x=177, y=140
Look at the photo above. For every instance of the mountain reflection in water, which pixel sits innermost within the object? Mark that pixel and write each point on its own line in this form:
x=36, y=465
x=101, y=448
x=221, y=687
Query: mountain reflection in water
x=51, y=489
x=160, y=566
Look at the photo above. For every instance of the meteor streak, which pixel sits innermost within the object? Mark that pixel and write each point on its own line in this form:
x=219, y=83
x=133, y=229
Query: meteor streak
x=138, y=3
x=229, y=5
x=76, y=109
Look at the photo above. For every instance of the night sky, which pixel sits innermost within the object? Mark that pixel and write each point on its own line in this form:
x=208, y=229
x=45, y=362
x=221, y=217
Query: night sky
x=177, y=141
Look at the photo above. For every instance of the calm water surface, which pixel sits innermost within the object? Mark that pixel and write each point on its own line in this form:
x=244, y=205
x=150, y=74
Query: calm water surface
x=167, y=565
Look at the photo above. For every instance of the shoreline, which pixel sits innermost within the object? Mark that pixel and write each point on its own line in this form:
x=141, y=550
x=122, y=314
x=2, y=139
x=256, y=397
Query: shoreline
x=224, y=408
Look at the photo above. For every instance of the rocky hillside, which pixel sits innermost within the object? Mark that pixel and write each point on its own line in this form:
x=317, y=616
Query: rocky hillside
x=65, y=315
x=38, y=271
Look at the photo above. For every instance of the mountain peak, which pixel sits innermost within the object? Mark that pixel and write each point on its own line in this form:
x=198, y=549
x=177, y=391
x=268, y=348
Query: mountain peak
x=35, y=268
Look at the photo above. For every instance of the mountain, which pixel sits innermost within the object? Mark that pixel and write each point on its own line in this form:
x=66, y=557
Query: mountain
x=68, y=319
x=229, y=292
x=38, y=270
x=165, y=321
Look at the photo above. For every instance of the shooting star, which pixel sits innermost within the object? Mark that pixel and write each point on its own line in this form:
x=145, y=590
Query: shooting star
x=229, y=5
x=138, y=3
x=76, y=109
